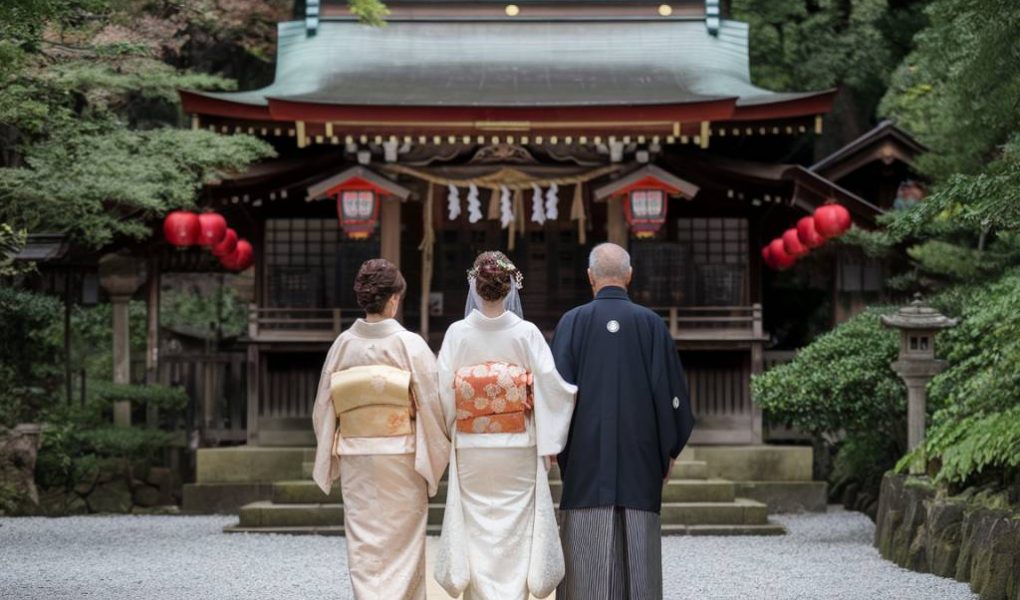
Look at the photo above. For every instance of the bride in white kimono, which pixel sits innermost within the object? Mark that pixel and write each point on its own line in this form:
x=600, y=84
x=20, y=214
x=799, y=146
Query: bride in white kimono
x=381, y=431
x=509, y=411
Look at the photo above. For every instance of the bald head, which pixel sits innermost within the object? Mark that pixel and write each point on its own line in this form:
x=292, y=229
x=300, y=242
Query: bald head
x=609, y=264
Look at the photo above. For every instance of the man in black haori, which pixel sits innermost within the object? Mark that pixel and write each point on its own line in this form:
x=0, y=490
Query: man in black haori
x=631, y=420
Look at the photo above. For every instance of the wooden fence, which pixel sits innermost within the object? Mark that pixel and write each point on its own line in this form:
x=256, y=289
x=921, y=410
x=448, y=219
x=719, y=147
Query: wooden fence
x=216, y=384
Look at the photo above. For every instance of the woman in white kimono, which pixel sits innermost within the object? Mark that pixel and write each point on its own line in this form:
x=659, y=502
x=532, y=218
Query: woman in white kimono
x=510, y=411
x=380, y=429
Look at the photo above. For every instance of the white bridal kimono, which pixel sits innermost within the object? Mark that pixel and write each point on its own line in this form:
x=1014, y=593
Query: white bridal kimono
x=499, y=539
x=385, y=481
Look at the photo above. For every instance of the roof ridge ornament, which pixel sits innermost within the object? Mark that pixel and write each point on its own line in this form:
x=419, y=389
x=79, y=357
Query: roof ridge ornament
x=712, y=16
x=311, y=17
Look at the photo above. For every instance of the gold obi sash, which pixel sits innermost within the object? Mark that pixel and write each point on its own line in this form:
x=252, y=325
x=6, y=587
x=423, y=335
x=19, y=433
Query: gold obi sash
x=491, y=397
x=373, y=401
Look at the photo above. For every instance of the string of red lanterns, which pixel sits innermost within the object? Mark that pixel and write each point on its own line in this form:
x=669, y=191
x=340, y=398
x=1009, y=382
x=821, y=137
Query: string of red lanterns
x=828, y=222
x=183, y=229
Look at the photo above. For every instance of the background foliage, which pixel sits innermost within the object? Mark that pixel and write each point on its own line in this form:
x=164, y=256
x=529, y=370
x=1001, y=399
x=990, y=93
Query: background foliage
x=801, y=45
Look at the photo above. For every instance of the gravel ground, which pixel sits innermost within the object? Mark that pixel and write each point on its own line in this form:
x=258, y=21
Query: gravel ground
x=825, y=556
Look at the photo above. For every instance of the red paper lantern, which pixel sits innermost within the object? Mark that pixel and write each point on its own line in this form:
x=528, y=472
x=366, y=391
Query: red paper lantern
x=358, y=211
x=766, y=256
x=832, y=220
x=213, y=227
x=807, y=234
x=181, y=228
x=227, y=244
x=792, y=245
x=241, y=258
x=780, y=259
x=645, y=210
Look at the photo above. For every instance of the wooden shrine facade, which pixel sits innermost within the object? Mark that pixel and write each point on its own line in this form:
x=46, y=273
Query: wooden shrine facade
x=461, y=128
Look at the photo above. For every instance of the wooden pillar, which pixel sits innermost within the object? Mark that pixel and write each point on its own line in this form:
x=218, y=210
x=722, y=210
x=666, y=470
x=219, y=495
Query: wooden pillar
x=616, y=223
x=121, y=355
x=389, y=236
x=254, y=385
x=67, y=337
x=152, y=336
x=389, y=232
x=757, y=366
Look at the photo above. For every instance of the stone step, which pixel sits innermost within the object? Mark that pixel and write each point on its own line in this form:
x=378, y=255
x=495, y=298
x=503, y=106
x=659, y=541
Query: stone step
x=268, y=514
x=677, y=490
x=682, y=469
x=306, y=469
x=727, y=530
x=769, y=529
x=330, y=530
x=739, y=512
x=434, y=530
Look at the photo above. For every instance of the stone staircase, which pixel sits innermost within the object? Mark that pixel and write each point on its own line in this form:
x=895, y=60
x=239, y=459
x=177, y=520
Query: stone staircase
x=693, y=504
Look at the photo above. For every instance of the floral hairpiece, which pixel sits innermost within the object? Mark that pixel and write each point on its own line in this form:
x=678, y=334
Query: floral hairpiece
x=507, y=266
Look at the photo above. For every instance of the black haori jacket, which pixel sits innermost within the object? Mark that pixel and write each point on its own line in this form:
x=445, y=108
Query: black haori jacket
x=633, y=410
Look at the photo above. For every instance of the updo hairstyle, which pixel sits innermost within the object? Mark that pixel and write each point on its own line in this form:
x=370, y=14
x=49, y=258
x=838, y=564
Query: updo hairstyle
x=494, y=275
x=378, y=279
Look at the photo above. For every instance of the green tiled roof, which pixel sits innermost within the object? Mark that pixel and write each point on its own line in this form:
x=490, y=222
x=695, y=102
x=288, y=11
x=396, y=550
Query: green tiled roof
x=503, y=63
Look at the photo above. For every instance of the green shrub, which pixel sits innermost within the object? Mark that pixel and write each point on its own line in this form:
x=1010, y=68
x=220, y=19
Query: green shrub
x=30, y=329
x=842, y=382
x=164, y=398
x=224, y=307
x=975, y=431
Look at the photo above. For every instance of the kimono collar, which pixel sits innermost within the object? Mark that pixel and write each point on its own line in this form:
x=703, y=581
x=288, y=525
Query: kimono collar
x=612, y=292
x=503, y=321
x=379, y=329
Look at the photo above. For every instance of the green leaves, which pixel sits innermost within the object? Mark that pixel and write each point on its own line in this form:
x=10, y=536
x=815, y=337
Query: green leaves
x=97, y=186
x=369, y=12
x=801, y=45
x=841, y=382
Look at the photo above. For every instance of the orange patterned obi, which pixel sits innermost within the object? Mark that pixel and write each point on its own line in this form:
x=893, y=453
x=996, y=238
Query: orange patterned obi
x=491, y=397
x=373, y=401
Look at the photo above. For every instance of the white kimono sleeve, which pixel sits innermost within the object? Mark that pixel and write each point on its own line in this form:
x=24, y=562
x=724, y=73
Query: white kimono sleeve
x=554, y=397
x=446, y=374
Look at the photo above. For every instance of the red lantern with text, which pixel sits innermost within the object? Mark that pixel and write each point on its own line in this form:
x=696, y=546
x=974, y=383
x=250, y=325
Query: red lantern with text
x=807, y=234
x=766, y=257
x=181, y=228
x=645, y=211
x=241, y=258
x=213, y=227
x=780, y=259
x=358, y=210
x=227, y=244
x=832, y=220
x=792, y=245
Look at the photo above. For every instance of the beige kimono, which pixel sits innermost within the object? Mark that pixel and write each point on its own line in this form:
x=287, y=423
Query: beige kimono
x=385, y=481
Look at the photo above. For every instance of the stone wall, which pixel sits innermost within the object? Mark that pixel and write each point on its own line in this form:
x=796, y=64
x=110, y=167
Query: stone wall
x=973, y=537
x=155, y=493
x=19, y=448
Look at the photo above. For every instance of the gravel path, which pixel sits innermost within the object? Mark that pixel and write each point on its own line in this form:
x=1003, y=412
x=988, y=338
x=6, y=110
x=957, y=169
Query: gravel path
x=827, y=556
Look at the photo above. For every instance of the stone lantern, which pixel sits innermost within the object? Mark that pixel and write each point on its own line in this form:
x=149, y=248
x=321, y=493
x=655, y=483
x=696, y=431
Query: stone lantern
x=121, y=275
x=918, y=324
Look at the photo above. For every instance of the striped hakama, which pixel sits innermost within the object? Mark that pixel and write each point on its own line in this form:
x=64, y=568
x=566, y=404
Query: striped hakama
x=611, y=553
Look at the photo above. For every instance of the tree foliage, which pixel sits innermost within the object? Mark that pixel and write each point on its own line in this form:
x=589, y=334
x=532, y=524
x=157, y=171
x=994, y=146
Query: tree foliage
x=89, y=115
x=801, y=45
x=976, y=430
x=841, y=383
x=29, y=346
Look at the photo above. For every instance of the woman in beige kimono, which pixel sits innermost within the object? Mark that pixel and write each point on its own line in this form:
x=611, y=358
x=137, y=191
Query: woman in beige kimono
x=380, y=429
x=511, y=411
